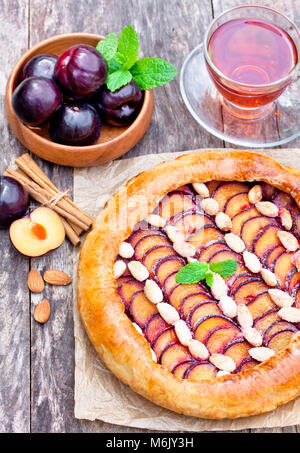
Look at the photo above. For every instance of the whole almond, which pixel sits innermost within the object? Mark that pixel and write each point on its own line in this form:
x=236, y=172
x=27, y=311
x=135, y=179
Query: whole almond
x=35, y=281
x=290, y=314
x=286, y=218
x=210, y=206
x=253, y=336
x=234, y=242
x=137, y=328
x=219, y=287
x=201, y=189
x=184, y=249
x=198, y=349
x=288, y=240
x=42, y=311
x=119, y=268
x=252, y=262
x=280, y=298
x=269, y=277
x=223, y=221
x=222, y=362
x=168, y=312
x=244, y=316
x=153, y=355
x=228, y=306
x=153, y=292
x=261, y=353
x=267, y=208
x=56, y=277
x=138, y=270
x=255, y=194
x=155, y=220
x=221, y=373
x=183, y=332
x=126, y=250
x=174, y=234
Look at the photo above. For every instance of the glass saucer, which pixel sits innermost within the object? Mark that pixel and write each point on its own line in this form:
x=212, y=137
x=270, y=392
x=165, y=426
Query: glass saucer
x=278, y=126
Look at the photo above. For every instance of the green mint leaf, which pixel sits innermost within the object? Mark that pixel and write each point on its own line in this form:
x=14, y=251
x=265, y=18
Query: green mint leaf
x=192, y=273
x=118, y=79
x=113, y=66
x=128, y=46
x=209, y=278
x=152, y=72
x=224, y=268
x=120, y=59
x=108, y=46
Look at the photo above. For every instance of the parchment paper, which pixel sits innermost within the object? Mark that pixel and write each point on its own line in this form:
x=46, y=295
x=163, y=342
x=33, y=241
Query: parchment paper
x=98, y=393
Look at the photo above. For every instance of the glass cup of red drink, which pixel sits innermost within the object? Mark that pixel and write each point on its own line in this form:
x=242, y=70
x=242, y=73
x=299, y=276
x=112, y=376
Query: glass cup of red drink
x=252, y=55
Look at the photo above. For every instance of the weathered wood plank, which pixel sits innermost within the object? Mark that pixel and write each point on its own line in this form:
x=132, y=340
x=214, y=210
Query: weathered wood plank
x=14, y=313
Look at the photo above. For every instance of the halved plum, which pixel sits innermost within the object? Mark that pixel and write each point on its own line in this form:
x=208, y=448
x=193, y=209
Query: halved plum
x=277, y=326
x=141, y=309
x=140, y=233
x=283, y=200
x=204, y=235
x=217, y=340
x=246, y=364
x=181, y=368
x=154, y=327
x=238, y=350
x=209, y=323
x=200, y=311
x=166, y=266
x=164, y=339
x=268, y=260
x=280, y=340
x=266, y=239
x=173, y=203
x=173, y=355
x=127, y=289
x=189, y=222
x=252, y=227
x=237, y=204
x=155, y=254
x=282, y=267
x=203, y=371
x=179, y=292
x=264, y=321
x=148, y=242
x=247, y=290
x=239, y=219
x=237, y=279
x=268, y=191
x=226, y=190
x=212, y=187
x=293, y=282
x=192, y=300
x=260, y=304
x=207, y=250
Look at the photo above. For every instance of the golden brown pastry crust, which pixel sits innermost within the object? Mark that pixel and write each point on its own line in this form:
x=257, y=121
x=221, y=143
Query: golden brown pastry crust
x=125, y=351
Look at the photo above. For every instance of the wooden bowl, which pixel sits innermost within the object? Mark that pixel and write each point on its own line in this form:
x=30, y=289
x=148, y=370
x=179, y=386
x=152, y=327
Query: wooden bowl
x=113, y=141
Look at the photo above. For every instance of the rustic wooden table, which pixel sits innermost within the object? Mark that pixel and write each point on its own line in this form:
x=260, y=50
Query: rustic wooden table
x=37, y=363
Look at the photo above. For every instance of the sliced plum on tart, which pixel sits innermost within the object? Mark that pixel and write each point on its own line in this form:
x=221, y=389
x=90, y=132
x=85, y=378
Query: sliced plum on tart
x=217, y=284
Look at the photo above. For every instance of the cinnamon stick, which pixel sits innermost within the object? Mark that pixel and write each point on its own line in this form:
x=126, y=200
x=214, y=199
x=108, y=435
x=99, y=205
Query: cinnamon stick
x=70, y=233
x=29, y=166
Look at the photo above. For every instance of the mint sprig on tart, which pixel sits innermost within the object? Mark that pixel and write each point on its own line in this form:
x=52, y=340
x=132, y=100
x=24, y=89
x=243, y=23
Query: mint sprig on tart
x=196, y=271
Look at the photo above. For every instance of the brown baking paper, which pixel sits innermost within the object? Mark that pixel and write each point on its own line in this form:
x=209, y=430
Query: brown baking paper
x=98, y=393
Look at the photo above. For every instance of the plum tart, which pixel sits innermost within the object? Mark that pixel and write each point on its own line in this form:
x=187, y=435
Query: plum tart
x=223, y=345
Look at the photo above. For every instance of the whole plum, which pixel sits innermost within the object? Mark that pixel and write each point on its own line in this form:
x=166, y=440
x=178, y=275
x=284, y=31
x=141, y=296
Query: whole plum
x=121, y=107
x=40, y=66
x=76, y=124
x=80, y=71
x=14, y=201
x=35, y=100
